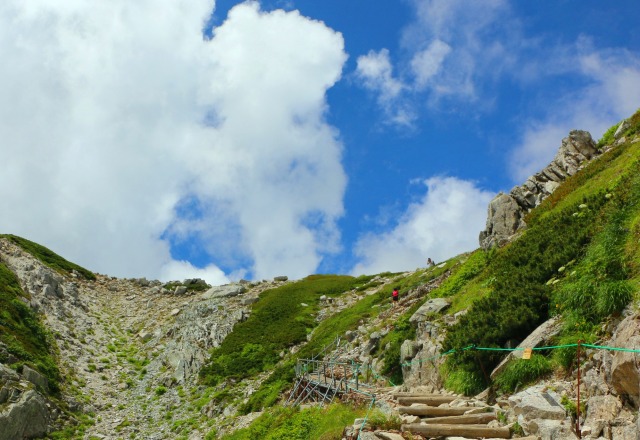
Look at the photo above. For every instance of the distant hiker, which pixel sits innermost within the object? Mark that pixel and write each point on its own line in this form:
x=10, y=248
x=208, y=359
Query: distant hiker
x=394, y=296
x=430, y=262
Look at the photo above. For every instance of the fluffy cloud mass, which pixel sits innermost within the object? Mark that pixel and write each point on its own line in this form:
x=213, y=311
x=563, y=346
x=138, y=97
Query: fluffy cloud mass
x=118, y=119
x=444, y=223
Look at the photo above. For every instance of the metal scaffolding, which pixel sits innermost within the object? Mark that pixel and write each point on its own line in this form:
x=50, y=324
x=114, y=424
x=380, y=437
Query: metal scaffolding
x=321, y=381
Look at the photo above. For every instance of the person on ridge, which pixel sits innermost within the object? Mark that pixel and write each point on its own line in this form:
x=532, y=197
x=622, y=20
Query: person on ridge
x=394, y=296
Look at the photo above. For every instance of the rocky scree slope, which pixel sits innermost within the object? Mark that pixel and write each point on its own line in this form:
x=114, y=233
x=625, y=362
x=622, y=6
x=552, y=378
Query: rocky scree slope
x=128, y=350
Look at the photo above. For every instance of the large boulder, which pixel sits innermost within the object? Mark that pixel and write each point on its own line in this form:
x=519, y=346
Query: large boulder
x=540, y=413
x=537, y=402
x=35, y=378
x=435, y=305
x=228, y=290
x=601, y=411
x=422, y=368
x=625, y=376
x=28, y=417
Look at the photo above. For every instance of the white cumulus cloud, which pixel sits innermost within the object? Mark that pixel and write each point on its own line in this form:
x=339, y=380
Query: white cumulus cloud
x=375, y=70
x=115, y=116
x=426, y=63
x=444, y=223
x=612, y=93
x=448, y=51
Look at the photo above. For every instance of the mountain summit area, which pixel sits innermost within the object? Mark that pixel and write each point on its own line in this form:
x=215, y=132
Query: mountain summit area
x=535, y=334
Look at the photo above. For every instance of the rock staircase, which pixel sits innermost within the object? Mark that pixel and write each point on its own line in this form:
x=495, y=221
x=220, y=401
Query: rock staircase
x=442, y=415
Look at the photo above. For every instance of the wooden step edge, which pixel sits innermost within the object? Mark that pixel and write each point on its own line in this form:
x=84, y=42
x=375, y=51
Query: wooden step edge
x=473, y=431
x=465, y=419
x=432, y=411
x=409, y=394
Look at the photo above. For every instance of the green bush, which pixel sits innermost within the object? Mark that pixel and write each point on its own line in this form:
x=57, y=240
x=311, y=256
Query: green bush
x=520, y=298
x=462, y=381
x=379, y=420
x=607, y=137
x=599, y=285
x=161, y=390
x=521, y=372
x=572, y=408
x=571, y=334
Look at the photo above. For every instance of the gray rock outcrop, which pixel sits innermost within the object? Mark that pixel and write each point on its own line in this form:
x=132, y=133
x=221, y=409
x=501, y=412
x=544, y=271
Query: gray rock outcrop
x=228, y=290
x=435, y=305
x=506, y=211
x=540, y=413
x=625, y=376
x=601, y=410
x=35, y=378
x=27, y=417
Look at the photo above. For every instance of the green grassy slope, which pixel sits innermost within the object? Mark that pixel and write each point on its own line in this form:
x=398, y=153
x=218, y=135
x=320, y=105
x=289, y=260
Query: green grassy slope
x=578, y=258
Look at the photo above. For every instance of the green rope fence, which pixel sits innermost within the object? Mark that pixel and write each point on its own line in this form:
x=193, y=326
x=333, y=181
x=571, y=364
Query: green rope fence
x=549, y=347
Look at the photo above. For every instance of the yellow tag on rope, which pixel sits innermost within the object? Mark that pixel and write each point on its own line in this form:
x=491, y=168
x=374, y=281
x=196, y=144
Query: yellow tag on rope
x=526, y=354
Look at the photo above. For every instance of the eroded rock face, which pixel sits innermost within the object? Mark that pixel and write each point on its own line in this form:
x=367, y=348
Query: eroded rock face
x=601, y=410
x=506, y=211
x=422, y=360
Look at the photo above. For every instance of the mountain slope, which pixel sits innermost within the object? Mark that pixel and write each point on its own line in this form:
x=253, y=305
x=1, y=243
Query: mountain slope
x=101, y=357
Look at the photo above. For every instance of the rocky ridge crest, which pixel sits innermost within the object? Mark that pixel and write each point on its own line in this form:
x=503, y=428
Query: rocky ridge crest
x=506, y=211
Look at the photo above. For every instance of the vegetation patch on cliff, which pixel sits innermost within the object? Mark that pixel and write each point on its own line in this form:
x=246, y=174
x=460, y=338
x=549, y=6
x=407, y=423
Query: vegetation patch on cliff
x=48, y=257
x=21, y=332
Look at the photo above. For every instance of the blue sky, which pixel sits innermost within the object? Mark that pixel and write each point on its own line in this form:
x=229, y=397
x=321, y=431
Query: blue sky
x=251, y=139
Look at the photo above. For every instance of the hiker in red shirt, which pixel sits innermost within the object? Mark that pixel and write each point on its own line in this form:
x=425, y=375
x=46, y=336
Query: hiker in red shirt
x=394, y=296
